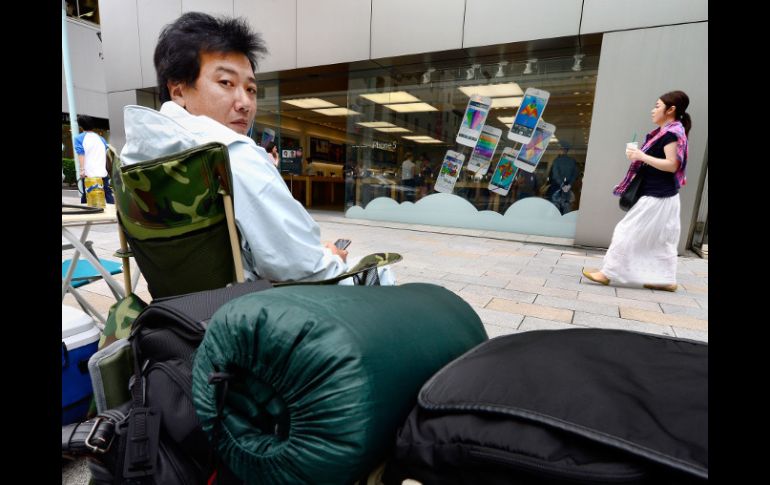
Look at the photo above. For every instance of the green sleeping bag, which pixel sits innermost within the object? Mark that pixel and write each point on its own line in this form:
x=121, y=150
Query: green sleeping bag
x=320, y=377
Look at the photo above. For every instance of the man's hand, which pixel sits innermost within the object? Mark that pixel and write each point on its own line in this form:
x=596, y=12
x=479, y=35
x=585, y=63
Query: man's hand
x=339, y=252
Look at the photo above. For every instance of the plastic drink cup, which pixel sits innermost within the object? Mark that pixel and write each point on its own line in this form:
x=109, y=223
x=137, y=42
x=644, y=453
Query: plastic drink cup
x=632, y=145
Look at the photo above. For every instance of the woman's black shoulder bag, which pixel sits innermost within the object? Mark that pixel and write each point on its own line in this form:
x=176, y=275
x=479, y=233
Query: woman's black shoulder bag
x=632, y=193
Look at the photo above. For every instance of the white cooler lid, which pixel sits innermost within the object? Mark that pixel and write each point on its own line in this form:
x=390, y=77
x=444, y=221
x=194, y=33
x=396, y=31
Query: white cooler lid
x=75, y=322
x=83, y=338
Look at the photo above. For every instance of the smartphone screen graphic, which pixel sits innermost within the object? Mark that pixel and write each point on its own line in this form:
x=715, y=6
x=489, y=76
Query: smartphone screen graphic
x=528, y=115
x=450, y=170
x=473, y=120
x=504, y=173
x=484, y=150
x=531, y=153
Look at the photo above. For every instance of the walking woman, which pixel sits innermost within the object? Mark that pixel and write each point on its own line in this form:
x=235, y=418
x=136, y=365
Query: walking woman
x=644, y=244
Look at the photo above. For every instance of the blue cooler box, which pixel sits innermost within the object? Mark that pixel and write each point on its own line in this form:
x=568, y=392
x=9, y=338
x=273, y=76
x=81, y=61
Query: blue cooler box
x=79, y=339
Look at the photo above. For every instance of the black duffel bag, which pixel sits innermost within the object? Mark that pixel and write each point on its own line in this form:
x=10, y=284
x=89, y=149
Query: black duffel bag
x=156, y=438
x=578, y=406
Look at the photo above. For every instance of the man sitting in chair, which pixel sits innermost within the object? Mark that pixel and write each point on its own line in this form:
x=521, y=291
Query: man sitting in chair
x=205, y=69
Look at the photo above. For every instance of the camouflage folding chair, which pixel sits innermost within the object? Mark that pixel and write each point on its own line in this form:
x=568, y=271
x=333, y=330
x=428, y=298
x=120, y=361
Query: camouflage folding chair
x=175, y=213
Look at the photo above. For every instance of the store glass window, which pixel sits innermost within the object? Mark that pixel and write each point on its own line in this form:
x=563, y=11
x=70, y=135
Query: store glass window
x=470, y=139
x=441, y=139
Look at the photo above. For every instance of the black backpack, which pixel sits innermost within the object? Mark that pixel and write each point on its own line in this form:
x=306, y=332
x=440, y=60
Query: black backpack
x=155, y=438
x=578, y=406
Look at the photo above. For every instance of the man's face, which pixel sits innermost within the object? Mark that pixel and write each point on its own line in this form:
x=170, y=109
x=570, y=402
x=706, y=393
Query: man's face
x=225, y=90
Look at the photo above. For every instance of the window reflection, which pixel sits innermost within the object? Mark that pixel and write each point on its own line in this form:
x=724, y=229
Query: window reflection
x=86, y=10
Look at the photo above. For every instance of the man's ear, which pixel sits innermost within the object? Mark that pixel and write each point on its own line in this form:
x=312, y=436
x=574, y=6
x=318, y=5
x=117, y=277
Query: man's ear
x=176, y=91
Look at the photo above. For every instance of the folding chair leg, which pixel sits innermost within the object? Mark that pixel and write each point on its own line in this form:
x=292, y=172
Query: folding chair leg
x=88, y=308
x=126, y=262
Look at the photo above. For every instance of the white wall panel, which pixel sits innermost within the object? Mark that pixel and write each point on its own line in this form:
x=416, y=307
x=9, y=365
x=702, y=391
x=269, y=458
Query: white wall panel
x=630, y=80
x=87, y=71
x=120, y=35
x=608, y=15
x=489, y=22
x=411, y=27
x=276, y=20
x=211, y=7
x=116, y=101
x=84, y=49
x=91, y=103
x=153, y=15
x=332, y=31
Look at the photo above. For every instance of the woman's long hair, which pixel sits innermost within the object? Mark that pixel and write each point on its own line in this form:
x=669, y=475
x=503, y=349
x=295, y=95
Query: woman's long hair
x=680, y=101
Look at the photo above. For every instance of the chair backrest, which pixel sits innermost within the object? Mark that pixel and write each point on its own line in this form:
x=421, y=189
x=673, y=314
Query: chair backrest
x=176, y=214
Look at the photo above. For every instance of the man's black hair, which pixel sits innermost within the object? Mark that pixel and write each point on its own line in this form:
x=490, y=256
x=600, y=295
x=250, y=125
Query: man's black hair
x=85, y=122
x=177, y=55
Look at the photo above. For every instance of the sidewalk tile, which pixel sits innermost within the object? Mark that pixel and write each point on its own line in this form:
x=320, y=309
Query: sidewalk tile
x=522, y=285
x=699, y=313
x=692, y=334
x=497, y=331
x=614, y=300
x=527, y=309
x=602, y=321
x=482, y=280
x=693, y=288
x=657, y=296
x=589, y=287
x=513, y=295
x=501, y=319
x=585, y=306
x=449, y=285
x=664, y=319
x=533, y=323
x=476, y=300
x=450, y=253
x=564, y=270
x=528, y=280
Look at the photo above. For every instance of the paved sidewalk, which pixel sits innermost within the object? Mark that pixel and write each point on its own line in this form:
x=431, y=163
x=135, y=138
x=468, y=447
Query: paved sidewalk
x=514, y=285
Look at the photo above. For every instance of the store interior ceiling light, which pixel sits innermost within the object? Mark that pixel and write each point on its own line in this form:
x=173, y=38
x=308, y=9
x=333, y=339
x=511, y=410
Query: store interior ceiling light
x=309, y=103
x=337, y=112
x=375, y=124
x=528, y=67
x=510, y=102
x=411, y=107
x=422, y=139
x=500, y=65
x=396, y=129
x=493, y=90
x=394, y=97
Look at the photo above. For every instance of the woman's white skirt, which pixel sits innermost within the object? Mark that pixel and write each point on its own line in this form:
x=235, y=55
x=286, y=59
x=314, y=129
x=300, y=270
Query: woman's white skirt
x=644, y=244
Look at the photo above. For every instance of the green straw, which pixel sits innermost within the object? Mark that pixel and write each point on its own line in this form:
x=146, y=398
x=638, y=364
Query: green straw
x=634, y=138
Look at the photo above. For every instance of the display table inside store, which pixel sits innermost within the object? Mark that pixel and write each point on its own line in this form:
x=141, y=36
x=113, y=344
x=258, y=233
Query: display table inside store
x=299, y=183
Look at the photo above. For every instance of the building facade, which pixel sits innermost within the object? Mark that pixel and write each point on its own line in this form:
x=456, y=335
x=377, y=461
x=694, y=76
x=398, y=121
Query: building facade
x=366, y=99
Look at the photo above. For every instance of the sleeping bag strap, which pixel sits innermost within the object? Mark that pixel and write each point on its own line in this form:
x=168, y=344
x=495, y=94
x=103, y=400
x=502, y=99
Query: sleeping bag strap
x=220, y=380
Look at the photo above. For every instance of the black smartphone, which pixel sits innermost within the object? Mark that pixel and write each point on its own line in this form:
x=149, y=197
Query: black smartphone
x=342, y=243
